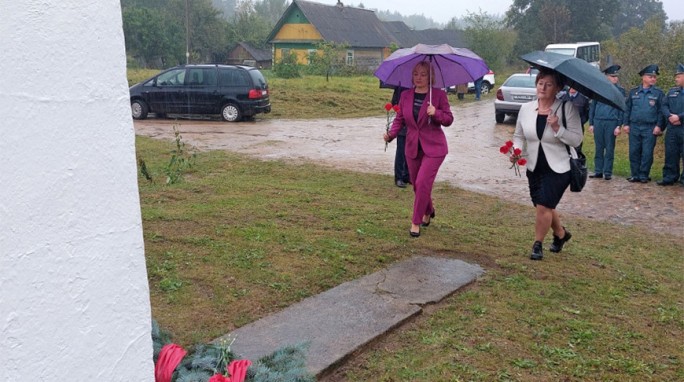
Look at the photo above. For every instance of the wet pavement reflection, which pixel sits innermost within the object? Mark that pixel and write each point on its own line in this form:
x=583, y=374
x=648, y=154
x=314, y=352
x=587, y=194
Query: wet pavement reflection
x=474, y=162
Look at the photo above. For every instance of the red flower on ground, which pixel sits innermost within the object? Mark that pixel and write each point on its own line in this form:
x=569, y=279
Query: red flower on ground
x=238, y=370
x=218, y=378
x=169, y=357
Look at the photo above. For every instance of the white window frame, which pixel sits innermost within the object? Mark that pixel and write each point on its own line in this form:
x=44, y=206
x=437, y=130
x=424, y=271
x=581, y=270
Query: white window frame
x=350, y=57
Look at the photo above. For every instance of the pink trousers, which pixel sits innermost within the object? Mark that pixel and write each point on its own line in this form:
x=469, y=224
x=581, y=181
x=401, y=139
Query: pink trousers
x=422, y=172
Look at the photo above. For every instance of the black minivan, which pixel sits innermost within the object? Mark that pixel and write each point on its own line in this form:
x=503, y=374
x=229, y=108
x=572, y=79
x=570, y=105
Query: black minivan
x=232, y=91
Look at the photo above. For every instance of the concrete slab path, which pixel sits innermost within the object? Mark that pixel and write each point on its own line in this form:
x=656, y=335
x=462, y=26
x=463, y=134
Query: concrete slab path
x=343, y=319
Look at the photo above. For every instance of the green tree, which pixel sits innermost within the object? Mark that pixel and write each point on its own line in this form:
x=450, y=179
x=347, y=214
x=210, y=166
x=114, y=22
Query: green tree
x=654, y=43
x=635, y=13
x=487, y=37
x=523, y=17
x=271, y=10
x=328, y=59
x=591, y=20
x=557, y=26
x=247, y=25
x=207, y=31
x=541, y=22
x=226, y=7
x=157, y=28
x=287, y=67
x=151, y=39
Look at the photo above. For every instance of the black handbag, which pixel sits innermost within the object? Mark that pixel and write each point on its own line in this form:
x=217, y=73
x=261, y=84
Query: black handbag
x=578, y=165
x=578, y=170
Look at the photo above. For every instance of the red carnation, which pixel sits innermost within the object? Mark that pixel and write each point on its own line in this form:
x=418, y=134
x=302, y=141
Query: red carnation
x=218, y=378
x=515, y=156
x=389, y=108
x=169, y=357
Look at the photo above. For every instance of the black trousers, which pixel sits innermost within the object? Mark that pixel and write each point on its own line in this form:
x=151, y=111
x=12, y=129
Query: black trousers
x=400, y=167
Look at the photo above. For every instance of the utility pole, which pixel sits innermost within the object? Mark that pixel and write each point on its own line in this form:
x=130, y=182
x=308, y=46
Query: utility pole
x=187, y=34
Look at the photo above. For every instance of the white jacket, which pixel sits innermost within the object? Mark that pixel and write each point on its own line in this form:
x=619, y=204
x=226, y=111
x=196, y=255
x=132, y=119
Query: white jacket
x=525, y=136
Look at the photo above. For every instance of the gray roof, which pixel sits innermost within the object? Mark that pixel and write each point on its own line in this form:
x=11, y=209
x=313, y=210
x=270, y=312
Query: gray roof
x=257, y=53
x=403, y=35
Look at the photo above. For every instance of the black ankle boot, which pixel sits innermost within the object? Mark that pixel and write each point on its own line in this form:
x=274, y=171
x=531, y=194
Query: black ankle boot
x=537, y=251
x=558, y=243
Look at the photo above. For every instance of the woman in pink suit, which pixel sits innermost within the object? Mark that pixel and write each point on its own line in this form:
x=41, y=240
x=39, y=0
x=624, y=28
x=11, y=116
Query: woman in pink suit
x=424, y=112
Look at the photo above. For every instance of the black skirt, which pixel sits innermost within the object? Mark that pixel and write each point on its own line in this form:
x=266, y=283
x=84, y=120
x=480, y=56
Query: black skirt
x=546, y=186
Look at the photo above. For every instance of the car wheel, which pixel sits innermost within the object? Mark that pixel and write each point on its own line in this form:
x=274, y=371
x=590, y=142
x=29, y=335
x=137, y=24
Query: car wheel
x=484, y=88
x=139, y=109
x=499, y=117
x=230, y=112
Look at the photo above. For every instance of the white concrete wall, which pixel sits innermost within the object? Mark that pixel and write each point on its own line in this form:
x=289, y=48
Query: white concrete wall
x=74, y=298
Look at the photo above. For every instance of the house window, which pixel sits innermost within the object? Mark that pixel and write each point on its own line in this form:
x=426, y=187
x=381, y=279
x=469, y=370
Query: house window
x=311, y=54
x=350, y=57
x=284, y=53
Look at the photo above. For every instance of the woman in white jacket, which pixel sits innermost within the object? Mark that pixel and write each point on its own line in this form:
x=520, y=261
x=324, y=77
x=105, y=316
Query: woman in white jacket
x=542, y=135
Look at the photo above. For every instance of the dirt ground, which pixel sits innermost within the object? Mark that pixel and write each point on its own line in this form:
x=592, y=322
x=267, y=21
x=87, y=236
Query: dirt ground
x=474, y=162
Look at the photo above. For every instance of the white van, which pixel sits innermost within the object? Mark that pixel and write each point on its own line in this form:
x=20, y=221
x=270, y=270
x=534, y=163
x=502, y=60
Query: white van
x=588, y=51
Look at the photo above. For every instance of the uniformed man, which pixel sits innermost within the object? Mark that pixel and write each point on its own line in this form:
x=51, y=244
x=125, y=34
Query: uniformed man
x=604, y=122
x=642, y=121
x=581, y=103
x=673, y=111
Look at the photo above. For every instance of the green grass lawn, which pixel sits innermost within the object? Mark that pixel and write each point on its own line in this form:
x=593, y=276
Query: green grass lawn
x=241, y=238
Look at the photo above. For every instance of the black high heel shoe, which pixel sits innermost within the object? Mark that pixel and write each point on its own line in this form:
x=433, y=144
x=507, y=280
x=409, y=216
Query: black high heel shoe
x=427, y=224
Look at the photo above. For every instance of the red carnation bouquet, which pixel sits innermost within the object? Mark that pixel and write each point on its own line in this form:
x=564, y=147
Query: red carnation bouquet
x=515, y=156
x=391, y=113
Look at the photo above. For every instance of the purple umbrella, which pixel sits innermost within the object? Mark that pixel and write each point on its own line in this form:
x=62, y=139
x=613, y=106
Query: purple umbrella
x=452, y=66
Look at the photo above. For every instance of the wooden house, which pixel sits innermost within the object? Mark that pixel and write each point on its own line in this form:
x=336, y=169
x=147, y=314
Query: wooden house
x=246, y=54
x=305, y=24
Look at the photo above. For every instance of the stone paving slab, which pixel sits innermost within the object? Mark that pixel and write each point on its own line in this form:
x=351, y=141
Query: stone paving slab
x=339, y=321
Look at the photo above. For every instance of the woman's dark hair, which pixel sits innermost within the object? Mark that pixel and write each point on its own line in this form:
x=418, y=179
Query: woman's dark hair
x=557, y=78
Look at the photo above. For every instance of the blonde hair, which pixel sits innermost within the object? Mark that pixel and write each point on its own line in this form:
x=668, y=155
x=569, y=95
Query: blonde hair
x=426, y=65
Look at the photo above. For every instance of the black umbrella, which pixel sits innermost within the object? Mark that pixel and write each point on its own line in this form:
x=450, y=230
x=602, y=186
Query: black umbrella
x=579, y=75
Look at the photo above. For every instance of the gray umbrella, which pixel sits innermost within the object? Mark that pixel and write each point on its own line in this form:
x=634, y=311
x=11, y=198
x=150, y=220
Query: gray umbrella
x=580, y=75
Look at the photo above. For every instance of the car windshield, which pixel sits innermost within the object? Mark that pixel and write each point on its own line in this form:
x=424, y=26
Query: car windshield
x=174, y=77
x=565, y=51
x=520, y=82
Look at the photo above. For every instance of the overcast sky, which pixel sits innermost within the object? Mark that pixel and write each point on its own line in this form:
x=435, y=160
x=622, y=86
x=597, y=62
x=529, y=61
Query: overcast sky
x=443, y=10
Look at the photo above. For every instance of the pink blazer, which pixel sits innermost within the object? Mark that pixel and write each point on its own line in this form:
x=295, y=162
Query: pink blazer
x=429, y=134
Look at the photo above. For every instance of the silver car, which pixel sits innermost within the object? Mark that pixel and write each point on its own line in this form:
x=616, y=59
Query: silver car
x=518, y=89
